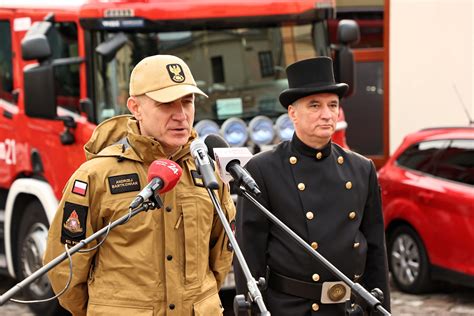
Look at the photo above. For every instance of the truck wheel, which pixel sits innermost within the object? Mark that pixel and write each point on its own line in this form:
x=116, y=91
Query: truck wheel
x=32, y=236
x=408, y=261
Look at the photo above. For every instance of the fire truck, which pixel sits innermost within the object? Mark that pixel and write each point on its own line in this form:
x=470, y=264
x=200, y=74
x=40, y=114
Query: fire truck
x=65, y=66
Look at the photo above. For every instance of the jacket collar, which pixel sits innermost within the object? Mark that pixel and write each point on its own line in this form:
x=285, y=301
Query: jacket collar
x=302, y=148
x=120, y=137
x=149, y=149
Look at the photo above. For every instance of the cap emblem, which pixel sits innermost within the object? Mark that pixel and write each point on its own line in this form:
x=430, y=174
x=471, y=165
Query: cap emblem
x=176, y=72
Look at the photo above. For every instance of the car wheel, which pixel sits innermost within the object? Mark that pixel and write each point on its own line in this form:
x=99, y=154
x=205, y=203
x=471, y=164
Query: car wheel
x=32, y=236
x=408, y=261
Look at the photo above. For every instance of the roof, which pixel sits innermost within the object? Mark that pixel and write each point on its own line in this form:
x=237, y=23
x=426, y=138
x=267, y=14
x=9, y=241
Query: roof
x=173, y=9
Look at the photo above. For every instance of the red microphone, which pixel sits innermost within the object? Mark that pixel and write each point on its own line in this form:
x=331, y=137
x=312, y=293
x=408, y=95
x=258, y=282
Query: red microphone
x=169, y=172
x=163, y=175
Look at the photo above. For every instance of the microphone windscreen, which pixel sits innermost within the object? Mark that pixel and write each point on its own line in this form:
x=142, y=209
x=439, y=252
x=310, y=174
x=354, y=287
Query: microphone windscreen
x=214, y=141
x=168, y=171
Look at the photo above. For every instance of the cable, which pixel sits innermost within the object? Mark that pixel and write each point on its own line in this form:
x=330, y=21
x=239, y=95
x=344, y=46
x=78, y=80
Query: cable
x=57, y=295
x=109, y=226
x=100, y=242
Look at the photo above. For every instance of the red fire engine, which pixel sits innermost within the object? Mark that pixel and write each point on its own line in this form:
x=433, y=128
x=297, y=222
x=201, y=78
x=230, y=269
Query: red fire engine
x=64, y=68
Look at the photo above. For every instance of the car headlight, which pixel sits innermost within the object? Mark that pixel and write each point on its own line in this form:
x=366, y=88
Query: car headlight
x=261, y=130
x=206, y=127
x=235, y=132
x=284, y=127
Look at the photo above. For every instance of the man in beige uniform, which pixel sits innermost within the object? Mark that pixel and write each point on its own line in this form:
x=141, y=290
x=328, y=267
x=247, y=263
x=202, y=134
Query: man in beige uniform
x=170, y=261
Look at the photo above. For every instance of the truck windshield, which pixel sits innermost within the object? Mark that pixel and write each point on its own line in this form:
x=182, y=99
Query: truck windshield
x=242, y=70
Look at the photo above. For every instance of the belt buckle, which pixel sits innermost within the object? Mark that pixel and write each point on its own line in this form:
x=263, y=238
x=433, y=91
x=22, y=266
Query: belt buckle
x=335, y=292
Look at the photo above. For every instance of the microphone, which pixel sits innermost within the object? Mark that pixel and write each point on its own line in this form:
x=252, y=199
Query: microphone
x=204, y=165
x=229, y=162
x=163, y=175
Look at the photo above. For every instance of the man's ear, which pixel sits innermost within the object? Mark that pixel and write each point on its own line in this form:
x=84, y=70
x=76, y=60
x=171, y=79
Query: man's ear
x=134, y=107
x=292, y=112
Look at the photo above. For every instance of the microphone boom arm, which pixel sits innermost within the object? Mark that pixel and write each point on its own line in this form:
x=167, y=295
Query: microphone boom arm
x=252, y=286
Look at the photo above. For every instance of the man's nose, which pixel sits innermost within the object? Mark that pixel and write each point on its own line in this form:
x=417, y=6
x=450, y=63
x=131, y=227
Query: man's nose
x=178, y=110
x=326, y=112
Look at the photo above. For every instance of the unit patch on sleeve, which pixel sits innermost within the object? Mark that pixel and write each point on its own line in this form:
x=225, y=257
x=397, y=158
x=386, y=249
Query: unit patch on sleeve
x=74, y=223
x=124, y=183
x=79, y=187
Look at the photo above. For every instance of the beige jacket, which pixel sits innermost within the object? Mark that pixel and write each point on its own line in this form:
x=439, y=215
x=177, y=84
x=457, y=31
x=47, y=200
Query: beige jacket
x=168, y=261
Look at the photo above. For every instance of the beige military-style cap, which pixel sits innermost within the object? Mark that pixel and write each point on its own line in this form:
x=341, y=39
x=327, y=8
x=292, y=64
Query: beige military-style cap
x=164, y=78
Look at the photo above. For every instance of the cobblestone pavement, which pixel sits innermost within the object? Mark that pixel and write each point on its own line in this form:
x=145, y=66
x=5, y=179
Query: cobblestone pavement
x=451, y=300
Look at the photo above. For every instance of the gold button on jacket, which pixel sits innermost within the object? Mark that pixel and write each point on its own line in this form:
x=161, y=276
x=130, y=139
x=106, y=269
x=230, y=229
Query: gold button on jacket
x=315, y=277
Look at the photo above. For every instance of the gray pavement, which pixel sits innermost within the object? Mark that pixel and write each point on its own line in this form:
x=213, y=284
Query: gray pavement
x=450, y=300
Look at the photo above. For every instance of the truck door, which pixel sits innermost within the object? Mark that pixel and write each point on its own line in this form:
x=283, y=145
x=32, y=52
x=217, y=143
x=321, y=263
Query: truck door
x=8, y=108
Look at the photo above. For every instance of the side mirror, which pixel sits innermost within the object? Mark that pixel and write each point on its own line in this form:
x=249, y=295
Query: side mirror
x=35, y=45
x=109, y=48
x=348, y=33
x=40, y=94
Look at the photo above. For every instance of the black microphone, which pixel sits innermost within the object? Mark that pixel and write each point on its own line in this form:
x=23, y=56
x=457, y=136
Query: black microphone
x=204, y=165
x=163, y=175
x=229, y=159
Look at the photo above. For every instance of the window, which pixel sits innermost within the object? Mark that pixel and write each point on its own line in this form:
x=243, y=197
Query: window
x=420, y=156
x=456, y=163
x=6, y=68
x=266, y=64
x=217, y=69
x=63, y=40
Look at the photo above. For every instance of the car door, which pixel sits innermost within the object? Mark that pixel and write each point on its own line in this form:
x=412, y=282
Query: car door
x=451, y=201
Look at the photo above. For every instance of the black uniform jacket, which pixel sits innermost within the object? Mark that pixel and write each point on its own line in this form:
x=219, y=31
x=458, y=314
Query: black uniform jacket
x=331, y=199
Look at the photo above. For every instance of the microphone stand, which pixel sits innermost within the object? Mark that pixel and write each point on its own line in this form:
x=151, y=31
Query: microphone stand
x=154, y=201
x=252, y=285
x=373, y=303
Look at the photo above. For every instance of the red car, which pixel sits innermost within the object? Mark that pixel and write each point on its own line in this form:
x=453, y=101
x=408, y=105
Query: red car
x=428, y=202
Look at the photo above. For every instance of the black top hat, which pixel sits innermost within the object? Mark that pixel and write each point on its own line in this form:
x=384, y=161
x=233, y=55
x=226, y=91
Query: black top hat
x=310, y=76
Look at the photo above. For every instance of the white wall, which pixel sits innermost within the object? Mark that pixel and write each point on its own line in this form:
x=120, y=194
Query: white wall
x=431, y=56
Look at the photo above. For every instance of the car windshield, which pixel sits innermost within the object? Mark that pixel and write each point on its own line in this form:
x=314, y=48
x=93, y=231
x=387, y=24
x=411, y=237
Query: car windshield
x=242, y=70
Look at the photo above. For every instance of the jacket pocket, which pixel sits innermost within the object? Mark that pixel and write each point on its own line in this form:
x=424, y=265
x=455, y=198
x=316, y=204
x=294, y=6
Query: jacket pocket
x=191, y=242
x=97, y=309
x=361, y=254
x=211, y=305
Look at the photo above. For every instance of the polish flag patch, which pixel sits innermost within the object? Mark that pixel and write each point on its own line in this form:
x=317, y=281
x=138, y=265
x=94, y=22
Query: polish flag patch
x=79, y=187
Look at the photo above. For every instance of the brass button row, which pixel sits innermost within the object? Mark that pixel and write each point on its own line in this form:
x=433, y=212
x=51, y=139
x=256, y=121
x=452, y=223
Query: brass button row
x=293, y=160
x=302, y=186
